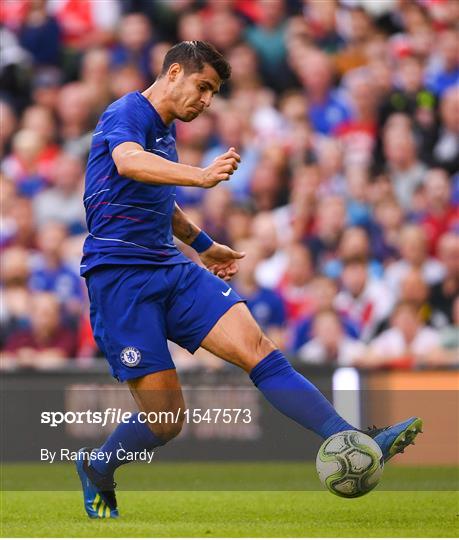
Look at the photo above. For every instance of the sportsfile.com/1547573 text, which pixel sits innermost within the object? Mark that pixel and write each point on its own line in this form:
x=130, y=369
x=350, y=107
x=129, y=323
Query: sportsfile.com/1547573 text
x=116, y=415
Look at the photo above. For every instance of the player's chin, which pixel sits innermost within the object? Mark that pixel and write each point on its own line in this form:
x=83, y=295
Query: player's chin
x=189, y=116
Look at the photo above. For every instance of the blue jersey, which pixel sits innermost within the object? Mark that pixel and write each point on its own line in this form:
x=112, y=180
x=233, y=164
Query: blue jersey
x=129, y=222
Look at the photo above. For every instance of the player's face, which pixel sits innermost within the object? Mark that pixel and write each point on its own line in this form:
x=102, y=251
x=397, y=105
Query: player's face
x=193, y=93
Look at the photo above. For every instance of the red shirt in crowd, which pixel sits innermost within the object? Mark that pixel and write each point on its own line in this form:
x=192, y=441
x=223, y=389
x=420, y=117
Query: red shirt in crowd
x=62, y=339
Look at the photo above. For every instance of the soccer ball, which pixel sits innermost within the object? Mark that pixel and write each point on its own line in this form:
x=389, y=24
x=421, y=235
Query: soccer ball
x=350, y=464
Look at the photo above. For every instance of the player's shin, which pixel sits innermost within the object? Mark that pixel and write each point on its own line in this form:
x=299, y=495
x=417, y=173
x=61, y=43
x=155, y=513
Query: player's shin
x=295, y=396
x=128, y=437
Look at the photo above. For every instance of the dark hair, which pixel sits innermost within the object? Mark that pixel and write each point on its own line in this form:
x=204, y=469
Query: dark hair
x=406, y=304
x=360, y=260
x=192, y=55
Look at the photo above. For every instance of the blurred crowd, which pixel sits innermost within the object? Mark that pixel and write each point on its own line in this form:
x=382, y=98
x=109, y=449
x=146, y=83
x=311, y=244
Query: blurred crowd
x=346, y=115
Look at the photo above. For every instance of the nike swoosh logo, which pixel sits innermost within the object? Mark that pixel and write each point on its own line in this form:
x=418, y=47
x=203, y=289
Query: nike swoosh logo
x=160, y=139
x=227, y=292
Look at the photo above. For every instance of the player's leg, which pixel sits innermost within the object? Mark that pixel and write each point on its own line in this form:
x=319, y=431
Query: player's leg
x=237, y=338
x=128, y=321
x=155, y=394
x=159, y=393
x=208, y=313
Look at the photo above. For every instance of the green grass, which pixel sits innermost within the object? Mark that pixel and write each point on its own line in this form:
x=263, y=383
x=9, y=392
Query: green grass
x=204, y=510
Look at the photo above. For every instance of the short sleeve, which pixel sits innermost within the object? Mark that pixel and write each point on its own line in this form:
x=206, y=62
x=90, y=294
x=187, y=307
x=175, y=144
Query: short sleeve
x=124, y=124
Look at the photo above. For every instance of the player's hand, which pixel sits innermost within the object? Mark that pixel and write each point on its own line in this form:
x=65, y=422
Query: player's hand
x=221, y=260
x=221, y=169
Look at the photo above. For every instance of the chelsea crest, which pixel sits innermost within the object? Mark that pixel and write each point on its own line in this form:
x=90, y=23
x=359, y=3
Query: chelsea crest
x=130, y=356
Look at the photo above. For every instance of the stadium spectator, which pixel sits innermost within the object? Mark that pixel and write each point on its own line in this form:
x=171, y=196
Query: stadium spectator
x=15, y=68
x=157, y=54
x=40, y=119
x=414, y=254
x=326, y=108
x=358, y=196
x=7, y=198
x=191, y=27
x=244, y=68
x=86, y=24
x=267, y=37
x=14, y=291
x=323, y=293
x=449, y=340
x=47, y=344
x=446, y=73
x=135, y=41
x=405, y=171
x=23, y=164
x=329, y=153
x=407, y=343
x=415, y=290
x=357, y=30
x=9, y=121
x=233, y=130
x=274, y=263
x=295, y=286
x=384, y=232
x=346, y=117
x=410, y=96
x=124, y=80
x=266, y=185
x=266, y=305
x=224, y=29
x=95, y=75
x=357, y=133
x=443, y=293
x=62, y=202
x=74, y=108
x=365, y=300
x=19, y=226
x=46, y=86
x=215, y=206
x=440, y=216
x=240, y=218
x=445, y=151
x=40, y=34
x=50, y=272
x=353, y=244
x=329, y=226
x=294, y=221
x=330, y=345
x=322, y=23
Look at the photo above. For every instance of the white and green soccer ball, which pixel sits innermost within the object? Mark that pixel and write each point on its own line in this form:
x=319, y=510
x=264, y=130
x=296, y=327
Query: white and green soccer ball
x=350, y=464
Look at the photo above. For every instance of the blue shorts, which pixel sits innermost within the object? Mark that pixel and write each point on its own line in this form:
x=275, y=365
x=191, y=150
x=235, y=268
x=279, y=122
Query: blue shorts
x=136, y=309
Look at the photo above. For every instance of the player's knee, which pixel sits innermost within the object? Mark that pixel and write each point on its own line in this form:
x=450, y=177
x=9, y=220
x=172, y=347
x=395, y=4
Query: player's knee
x=167, y=431
x=263, y=347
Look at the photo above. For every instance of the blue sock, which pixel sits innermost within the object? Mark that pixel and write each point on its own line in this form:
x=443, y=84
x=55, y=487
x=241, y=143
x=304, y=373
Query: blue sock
x=132, y=436
x=295, y=396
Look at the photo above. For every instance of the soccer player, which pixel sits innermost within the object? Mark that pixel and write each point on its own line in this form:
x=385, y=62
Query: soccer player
x=143, y=290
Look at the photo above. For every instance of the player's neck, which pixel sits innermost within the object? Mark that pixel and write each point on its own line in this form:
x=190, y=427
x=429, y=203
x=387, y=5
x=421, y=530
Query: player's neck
x=156, y=96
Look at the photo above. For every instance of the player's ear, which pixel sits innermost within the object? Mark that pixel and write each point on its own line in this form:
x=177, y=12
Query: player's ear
x=174, y=71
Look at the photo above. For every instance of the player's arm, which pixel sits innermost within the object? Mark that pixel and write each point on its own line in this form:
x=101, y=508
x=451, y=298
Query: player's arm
x=134, y=162
x=182, y=226
x=219, y=259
